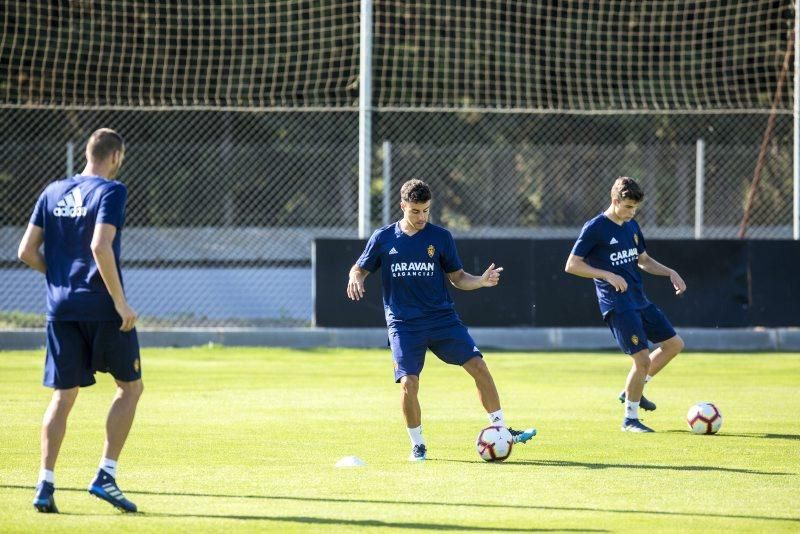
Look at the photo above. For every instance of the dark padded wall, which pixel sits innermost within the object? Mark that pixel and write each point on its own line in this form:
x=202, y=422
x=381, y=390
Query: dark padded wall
x=774, y=284
x=715, y=273
x=730, y=283
x=331, y=260
x=560, y=299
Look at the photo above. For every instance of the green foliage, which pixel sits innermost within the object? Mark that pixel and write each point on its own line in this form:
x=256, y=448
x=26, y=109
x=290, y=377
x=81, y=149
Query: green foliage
x=18, y=319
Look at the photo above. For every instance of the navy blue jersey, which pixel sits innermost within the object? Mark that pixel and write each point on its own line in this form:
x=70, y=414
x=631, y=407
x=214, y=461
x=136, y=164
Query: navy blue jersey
x=68, y=210
x=612, y=247
x=413, y=275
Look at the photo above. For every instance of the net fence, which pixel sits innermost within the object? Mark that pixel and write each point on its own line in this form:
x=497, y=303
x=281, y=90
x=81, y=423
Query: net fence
x=241, y=120
x=578, y=55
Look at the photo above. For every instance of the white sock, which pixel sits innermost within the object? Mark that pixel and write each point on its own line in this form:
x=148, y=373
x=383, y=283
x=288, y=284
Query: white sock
x=647, y=379
x=47, y=475
x=497, y=418
x=416, y=435
x=631, y=410
x=109, y=466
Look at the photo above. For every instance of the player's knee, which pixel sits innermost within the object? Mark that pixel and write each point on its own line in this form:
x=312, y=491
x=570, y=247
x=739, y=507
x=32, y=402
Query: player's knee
x=677, y=344
x=132, y=389
x=641, y=361
x=410, y=385
x=477, y=367
x=65, y=398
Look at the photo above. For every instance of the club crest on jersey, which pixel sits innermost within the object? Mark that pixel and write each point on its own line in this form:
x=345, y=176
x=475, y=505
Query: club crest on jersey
x=431, y=251
x=136, y=365
x=635, y=339
x=636, y=239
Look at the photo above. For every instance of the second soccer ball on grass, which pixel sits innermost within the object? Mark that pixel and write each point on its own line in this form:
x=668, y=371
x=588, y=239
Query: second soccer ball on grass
x=704, y=418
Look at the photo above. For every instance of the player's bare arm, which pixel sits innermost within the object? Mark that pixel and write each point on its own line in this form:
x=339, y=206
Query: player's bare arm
x=30, y=248
x=103, y=253
x=577, y=265
x=649, y=265
x=355, y=283
x=466, y=281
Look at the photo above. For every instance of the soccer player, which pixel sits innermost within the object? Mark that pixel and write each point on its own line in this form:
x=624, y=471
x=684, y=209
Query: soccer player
x=417, y=259
x=90, y=325
x=609, y=249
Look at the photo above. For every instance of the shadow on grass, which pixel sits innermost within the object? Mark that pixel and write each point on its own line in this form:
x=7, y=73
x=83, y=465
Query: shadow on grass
x=702, y=514
x=371, y=523
x=758, y=435
x=594, y=465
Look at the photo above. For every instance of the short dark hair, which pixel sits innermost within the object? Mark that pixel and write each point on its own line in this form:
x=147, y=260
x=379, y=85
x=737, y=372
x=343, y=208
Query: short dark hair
x=103, y=143
x=415, y=192
x=627, y=189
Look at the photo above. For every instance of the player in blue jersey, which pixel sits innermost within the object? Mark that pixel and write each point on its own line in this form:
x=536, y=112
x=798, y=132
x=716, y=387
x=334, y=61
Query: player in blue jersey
x=77, y=222
x=417, y=259
x=611, y=249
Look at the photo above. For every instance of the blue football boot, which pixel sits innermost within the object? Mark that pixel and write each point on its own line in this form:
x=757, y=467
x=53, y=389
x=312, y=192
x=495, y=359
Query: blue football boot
x=44, y=501
x=634, y=425
x=644, y=404
x=418, y=453
x=105, y=487
x=521, y=436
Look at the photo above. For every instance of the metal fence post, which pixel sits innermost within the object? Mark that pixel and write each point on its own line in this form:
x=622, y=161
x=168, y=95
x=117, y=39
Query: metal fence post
x=70, y=158
x=365, y=121
x=387, y=181
x=699, y=188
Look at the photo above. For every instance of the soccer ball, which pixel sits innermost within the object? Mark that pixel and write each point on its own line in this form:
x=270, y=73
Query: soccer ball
x=704, y=418
x=494, y=443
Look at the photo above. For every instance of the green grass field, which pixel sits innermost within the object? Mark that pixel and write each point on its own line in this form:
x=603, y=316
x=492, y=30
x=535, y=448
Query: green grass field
x=246, y=439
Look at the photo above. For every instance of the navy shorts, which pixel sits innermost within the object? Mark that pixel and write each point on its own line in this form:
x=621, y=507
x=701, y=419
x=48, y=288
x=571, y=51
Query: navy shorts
x=634, y=328
x=451, y=344
x=78, y=349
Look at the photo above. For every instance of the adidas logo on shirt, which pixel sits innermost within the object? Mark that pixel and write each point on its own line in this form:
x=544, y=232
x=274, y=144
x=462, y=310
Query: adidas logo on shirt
x=393, y=251
x=613, y=241
x=71, y=205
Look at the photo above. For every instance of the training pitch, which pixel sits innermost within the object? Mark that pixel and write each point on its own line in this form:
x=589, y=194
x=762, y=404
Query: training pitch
x=246, y=439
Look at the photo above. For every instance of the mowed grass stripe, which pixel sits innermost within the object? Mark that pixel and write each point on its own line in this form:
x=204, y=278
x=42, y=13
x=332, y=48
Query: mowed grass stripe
x=246, y=439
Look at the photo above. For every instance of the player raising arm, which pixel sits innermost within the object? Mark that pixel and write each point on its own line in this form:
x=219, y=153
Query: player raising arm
x=609, y=249
x=416, y=260
x=90, y=325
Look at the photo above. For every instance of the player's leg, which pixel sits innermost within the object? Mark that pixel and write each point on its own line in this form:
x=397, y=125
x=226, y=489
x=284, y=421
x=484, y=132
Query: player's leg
x=628, y=330
x=412, y=414
x=116, y=352
x=120, y=417
x=54, y=428
x=454, y=345
x=659, y=330
x=490, y=398
x=408, y=353
x=409, y=401
x=665, y=353
x=54, y=425
x=66, y=368
x=487, y=390
x=634, y=385
x=633, y=392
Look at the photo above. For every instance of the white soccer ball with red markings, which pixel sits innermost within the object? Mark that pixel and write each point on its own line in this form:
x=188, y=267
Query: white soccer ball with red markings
x=494, y=443
x=704, y=418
